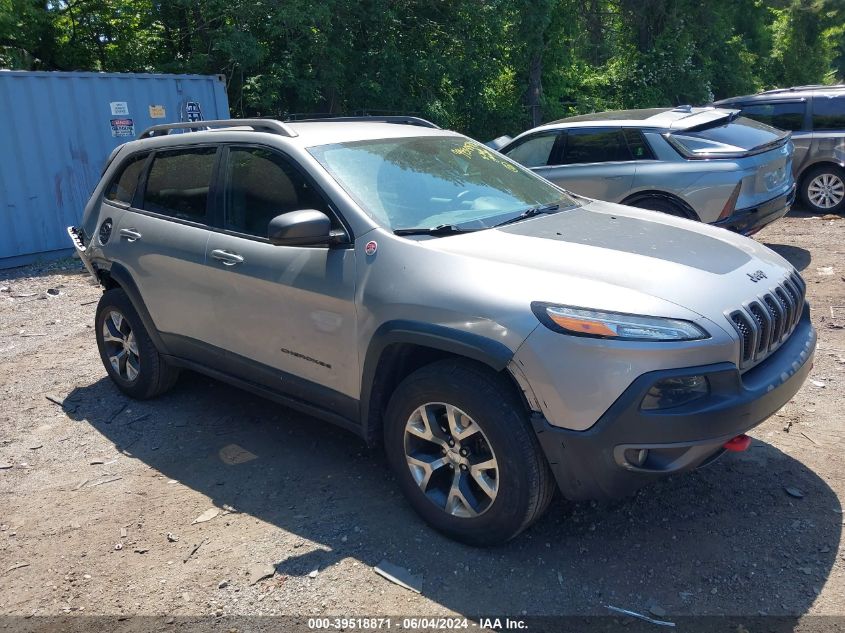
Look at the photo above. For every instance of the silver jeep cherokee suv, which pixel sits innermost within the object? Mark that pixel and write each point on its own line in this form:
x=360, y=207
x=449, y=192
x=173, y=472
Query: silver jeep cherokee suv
x=497, y=334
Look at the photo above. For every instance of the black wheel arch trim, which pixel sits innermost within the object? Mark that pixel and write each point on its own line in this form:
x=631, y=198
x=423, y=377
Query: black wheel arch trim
x=666, y=197
x=123, y=278
x=473, y=346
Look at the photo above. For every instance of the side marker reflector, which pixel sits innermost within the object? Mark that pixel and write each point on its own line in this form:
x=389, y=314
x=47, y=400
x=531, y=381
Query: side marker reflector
x=738, y=444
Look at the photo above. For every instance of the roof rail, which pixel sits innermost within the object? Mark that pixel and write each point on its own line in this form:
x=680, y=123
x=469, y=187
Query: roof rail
x=259, y=125
x=404, y=120
x=807, y=87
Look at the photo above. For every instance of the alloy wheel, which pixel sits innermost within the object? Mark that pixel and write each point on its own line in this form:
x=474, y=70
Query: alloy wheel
x=826, y=190
x=451, y=460
x=121, y=346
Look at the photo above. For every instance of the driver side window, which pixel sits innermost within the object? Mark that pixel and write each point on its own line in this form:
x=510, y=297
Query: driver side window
x=261, y=184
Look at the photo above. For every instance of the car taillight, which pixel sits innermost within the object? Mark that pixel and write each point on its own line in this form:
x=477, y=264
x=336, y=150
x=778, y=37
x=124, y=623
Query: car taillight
x=730, y=205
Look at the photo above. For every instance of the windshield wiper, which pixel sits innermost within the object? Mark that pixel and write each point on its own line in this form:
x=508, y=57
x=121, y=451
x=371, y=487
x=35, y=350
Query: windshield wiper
x=546, y=208
x=440, y=229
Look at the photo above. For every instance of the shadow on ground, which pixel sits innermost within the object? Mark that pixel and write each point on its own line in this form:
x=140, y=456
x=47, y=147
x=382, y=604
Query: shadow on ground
x=795, y=255
x=726, y=539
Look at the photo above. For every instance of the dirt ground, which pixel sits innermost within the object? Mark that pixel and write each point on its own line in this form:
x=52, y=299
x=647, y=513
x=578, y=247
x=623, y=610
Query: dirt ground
x=101, y=497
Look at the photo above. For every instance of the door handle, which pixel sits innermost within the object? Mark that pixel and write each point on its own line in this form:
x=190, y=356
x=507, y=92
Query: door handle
x=131, y=235
x=226, y=257
x=613, y=177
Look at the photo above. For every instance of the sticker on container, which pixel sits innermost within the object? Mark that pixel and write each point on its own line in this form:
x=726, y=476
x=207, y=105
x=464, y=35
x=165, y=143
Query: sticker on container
x=122, y=127
x=119, y=108
x=157, y=112
x=193, y=111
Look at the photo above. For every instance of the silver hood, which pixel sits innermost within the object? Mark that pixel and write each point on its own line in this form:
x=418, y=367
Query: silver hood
x=609, y=256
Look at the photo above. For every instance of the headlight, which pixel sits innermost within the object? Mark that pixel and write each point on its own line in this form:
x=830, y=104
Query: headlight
x=616, y=325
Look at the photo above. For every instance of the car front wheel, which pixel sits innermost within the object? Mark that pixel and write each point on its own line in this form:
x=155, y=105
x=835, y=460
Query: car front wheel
x=464, y=453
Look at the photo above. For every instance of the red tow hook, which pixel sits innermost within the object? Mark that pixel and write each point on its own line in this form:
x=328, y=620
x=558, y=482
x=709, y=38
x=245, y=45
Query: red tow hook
x=738, y=444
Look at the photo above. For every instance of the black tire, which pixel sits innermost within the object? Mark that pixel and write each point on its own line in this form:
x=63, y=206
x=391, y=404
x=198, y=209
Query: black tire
x=524, y=481
x=813, y=185
x=143, y=375
x=663, y=205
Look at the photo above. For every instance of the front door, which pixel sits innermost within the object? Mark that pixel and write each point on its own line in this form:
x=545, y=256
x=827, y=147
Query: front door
x=285, y=313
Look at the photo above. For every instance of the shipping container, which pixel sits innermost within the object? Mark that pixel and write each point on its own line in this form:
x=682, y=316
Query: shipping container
x=56, y=131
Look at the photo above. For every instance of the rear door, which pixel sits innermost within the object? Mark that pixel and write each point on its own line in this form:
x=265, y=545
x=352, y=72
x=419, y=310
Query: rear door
x=785, y=115
x=828, y=120
x=162, y=239
x=286, y=314
x=593, y=162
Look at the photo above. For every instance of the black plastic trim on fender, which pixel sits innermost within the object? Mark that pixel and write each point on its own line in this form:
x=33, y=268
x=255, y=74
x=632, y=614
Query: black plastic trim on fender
x=123, y=278
x=473, y=346
x=632, y=201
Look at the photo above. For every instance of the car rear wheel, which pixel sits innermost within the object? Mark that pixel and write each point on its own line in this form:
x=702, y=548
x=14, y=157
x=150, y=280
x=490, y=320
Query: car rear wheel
x=823, y=189
x=663, y=205
x=127, y=352
x=464, y=453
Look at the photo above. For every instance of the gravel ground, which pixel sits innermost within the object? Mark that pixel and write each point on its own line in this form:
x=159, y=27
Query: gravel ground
x=103, y=498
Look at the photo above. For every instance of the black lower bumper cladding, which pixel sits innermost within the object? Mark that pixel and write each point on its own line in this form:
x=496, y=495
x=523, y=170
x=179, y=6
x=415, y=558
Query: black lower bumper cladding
x=749, y=221
x=591, y=464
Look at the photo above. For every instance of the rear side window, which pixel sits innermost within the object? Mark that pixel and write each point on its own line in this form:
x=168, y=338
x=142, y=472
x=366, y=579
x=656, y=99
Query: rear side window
x=638, y=146
x=786, y=116
x=535, y=151
x=178, y=183
x=123, y=185
x=262, y=184
x=828, y=113
x=595, y=146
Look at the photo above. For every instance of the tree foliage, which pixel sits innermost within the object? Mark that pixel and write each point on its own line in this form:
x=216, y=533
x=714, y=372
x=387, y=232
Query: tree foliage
x=482, y=66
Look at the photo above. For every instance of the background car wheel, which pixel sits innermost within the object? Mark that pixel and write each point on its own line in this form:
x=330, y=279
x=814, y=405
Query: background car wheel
x=462, y=447
x=823, y=189
x=128, y=354
x=663, y=205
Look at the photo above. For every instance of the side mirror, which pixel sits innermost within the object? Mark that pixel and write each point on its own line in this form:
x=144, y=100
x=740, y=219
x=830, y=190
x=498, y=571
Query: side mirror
x=300, y=228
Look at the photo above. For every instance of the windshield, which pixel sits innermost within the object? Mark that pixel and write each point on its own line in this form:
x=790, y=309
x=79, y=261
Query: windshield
x=432, y=181
x=738, y=137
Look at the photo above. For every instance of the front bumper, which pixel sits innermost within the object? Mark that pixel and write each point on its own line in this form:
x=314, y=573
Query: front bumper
x=592, y=464
x=749, y=221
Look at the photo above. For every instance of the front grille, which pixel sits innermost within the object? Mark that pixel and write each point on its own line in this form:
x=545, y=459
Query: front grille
x=764, y=323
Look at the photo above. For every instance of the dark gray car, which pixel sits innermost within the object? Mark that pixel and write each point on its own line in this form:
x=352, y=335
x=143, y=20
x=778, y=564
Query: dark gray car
x=816, y=117
x=704, y=164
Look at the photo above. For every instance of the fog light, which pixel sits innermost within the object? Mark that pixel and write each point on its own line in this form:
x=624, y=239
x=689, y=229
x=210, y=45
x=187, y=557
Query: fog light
x=674, y=392
x=636, y=456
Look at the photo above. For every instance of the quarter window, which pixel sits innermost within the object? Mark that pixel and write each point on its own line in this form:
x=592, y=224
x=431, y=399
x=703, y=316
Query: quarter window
x=535, y=151
x=123, y=186
x=786, y=116
x=178, y=183
x=828, y=113
x=261, y=185
x=595, y=146
x=638, y=146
